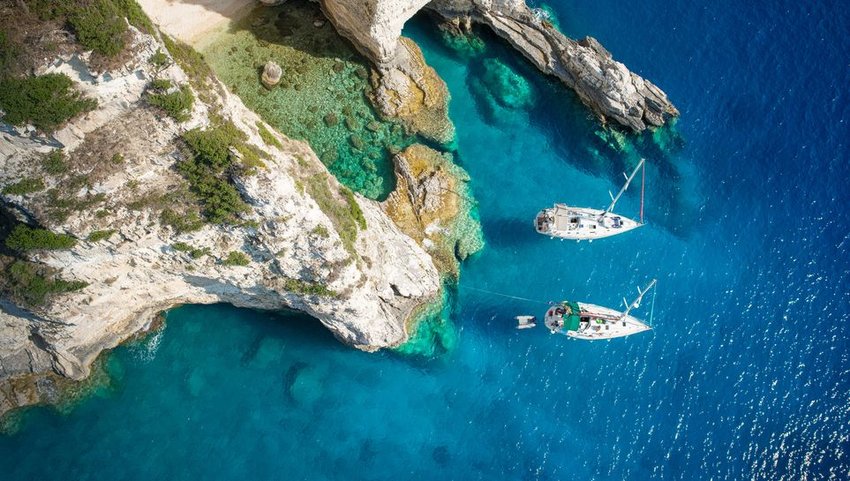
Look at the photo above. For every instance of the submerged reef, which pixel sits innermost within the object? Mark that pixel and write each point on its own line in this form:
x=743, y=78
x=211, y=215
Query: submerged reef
x=322, y=93
x=431, y=330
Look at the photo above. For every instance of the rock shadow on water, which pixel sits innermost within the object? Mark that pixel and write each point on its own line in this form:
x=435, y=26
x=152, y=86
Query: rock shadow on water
x=511, y=232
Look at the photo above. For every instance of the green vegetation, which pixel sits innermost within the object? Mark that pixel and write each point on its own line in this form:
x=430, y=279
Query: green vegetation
x=159, y=59
x=100, y=235
x=236, y=258
x=59, y=207
x=32, y=284
x=207, y=170
x=54, y=163
x=190, y=61
x=177, y=104
x=346, y=216
x=194, y=252
x=309, y=288
x=99, y=26
x=160, y=84
x=354, y=208
x=321, y=231
x=46, y=101
x=24, y=238
x=189, y=222
x=27, y=185
x=8, y=53
x=267, y=136
x=323, y=95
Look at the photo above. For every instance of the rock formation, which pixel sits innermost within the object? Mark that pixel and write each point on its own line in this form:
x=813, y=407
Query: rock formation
x=362, y=278
x=271, y=74
x=432, y=204
x=606, y=86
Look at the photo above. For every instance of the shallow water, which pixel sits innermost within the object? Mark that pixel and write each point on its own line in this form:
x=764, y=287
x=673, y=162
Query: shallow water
x=745, y=376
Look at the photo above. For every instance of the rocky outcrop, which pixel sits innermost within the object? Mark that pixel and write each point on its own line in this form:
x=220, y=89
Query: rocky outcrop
x=362, y=282
x=606, y=86
x=271, y=74
x=405, y=87
x=433, y=205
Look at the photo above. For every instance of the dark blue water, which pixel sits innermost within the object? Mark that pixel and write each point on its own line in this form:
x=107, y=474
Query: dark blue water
x=746, y=374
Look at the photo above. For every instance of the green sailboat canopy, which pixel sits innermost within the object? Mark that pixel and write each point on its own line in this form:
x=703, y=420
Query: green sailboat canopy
x=572, y=319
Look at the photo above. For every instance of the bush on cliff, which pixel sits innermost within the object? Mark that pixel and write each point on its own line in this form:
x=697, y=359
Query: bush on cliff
x=99, y=26
x=24, y=238
x=46, y=101
x=32, y=284
x=177, y=104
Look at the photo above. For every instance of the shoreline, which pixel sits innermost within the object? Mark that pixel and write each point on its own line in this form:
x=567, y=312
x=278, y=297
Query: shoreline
x=195, y=22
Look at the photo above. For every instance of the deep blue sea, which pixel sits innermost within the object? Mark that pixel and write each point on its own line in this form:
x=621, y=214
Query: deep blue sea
x=746, y=374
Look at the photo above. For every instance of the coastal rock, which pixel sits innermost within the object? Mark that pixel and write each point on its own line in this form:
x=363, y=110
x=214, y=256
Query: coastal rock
x=363, y=283
x=272, y=73
x=432, y=204
x=606, y=86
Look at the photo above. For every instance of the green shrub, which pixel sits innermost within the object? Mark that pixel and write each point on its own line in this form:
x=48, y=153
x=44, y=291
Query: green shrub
x=346, y=216
x=236, y=258
x=181, y=222
x=190, y=61
x=221, y=201
x=321, y=231
x=212, y=146
x=161, y=84
x=100, y=235
x=194, y=252
x=25, y=238
x=206, y=171
x=24, y=186
x=8, y=54
x=54, y=163
x=33, y=284
x=267, y=136
x=159, y=59
x=46, y=101
x=177, y=104
x=309, y=288
x=99, y=26
x=117, y=158
x=354, y=208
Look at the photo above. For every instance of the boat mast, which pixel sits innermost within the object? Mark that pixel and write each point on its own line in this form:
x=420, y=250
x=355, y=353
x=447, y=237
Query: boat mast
x=636, y=302
x=625, y=186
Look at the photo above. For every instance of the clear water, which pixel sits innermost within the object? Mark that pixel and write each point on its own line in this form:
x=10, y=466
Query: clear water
x=745, y=376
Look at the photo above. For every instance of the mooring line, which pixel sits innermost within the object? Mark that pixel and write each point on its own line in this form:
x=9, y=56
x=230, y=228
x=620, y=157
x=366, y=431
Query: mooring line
x=502, y=295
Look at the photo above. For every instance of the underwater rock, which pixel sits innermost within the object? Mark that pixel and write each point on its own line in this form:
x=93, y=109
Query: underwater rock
x=272, y=73
x=507, y=87
x=432, y=204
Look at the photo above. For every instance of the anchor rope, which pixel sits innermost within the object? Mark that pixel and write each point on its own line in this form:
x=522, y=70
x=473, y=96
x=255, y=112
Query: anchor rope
x=502, y=295
x=652, y=309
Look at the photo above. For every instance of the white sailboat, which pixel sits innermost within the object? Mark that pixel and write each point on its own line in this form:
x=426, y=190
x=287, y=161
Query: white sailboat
x=581, y=223
x=581, y=320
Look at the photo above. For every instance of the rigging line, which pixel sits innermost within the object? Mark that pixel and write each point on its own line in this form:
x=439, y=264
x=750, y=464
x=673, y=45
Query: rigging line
x=503, y=295
x=652, y=309
x=642, y=188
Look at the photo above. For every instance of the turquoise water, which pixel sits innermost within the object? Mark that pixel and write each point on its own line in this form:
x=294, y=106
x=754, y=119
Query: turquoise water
x=745, y=376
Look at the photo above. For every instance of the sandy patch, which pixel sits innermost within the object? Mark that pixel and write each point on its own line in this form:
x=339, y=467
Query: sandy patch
x=192, y=20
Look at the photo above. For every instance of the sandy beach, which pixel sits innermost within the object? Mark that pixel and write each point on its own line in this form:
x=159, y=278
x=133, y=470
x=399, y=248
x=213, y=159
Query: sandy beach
x=191, y=20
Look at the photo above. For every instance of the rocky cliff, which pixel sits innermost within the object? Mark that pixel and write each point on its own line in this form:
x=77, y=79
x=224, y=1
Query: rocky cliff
x=303, y=243
x=606, y=86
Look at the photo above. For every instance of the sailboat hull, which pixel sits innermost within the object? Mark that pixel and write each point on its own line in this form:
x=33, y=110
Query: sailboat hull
x=581, y=223
x=594, y=323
